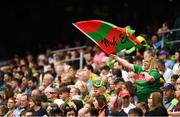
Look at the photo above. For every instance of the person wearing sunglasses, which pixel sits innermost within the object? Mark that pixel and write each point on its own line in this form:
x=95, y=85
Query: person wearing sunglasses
x=100, y=88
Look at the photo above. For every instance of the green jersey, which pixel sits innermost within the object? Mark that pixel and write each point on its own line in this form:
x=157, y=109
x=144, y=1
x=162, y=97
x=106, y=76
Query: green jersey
x=144, y=88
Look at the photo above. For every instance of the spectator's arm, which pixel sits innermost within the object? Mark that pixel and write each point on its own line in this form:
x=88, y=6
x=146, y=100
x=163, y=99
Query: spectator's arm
x=123, y=62
x=174, y=113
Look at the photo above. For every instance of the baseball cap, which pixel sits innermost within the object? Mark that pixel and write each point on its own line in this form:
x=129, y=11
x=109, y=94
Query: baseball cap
x=118, y=79
x=163, y=53
x=168, y=86
x=124, y=93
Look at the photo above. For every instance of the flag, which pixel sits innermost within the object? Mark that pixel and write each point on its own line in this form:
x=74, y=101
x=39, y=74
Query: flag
x=110, y=38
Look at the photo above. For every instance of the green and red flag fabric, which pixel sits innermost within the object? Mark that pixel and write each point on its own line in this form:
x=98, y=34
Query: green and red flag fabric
x=110, y=38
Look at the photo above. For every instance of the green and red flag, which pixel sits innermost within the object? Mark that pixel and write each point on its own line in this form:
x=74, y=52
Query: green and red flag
x=110, y=38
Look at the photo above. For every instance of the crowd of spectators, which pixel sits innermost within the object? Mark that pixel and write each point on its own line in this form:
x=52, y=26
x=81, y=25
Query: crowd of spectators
x=143, y=84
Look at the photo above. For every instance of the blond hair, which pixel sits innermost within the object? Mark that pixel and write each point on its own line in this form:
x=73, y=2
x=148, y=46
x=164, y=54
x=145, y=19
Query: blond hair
x=153, y=59
x=156, y=100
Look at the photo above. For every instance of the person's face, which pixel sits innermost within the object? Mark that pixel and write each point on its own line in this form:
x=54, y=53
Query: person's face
x=63, y=95
x=46, y=80
x=125, y=101
x=51, y=94
x=18, y=100
x=14, y=84
x=31, y=103
x=95, y=103
x=178, y=84
x=1, y=113
x=65, y=80
x=73, y=92
x=131, y=77
x=97, y=90
x=150, y=101
x=146, y=63
x=6, y=77
x=24, y=81
x=10, y=104
x=162, y=57
x=81, y=112
x=88, y=57
x=111, y=102
x=123, y=87
x=112, y=85
x=59, y=69
x=17, y=75
x=24, y=102
x=30, y=84
x=70, y=114
x=154, y=38
x=173, y=81
x=177, y=56
x=118, y=85
x=168, y=94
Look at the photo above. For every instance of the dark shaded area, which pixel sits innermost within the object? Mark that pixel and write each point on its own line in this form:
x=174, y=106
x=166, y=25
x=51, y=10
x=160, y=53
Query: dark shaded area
x=32, y=25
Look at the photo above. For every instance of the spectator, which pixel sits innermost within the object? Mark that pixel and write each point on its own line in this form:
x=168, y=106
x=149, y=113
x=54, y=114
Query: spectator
x=82, y=112
x=75, y=93
x=35, y=105
x=64, y=94
x=176, y=106
x=118, y=84
x=137, y=112
x=47, y=80
x=100, y=89
x=35, y=92
x=100, y=104
x=165, y=71
x=89, y=58
x=26, y=113
x=3, y=110
x=54, y=110
x=111, y=87
x=99, y=55
x=169, y=94
x=70, y=112
x=11, y=107
x=143, y=106
x=52, y=95
x=24, y=102
x=163, y=55
x=174, y=79
x=126, y=105
x=177, y=84
x=148, y=75
x=115, y=105
x=155, y=104
x=15, y=86
x=177, y=62
x=18, y=109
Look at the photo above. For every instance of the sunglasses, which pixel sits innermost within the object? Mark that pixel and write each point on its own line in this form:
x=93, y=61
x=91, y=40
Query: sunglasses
x=99, y=83
x=52, y=92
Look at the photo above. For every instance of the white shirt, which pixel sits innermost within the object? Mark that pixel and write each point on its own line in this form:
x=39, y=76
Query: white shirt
x=58, y=101
x=125, y=75
x=167, y=75
x=130, y=106
x=175, y=67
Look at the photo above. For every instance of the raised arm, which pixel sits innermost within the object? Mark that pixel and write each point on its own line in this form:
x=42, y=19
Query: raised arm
x=123, y=62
